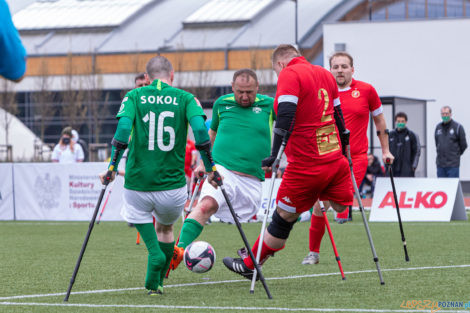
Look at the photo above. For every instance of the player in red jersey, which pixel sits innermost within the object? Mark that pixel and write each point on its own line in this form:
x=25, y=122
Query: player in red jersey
x=307, y=108
x=359, y=100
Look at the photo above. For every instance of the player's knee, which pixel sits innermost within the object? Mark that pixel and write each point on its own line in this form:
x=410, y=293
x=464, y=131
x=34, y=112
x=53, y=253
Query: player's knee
x=208, y=206
x=279, y=227
x=338, y=207
x=164, y=229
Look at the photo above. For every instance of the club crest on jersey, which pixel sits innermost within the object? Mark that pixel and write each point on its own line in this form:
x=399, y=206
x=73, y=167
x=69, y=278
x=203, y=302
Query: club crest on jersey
x=257, y=110
x=122, y=104
x=355, y=93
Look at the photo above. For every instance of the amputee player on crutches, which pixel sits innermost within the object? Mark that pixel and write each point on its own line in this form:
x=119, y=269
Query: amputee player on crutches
x=155, y=181
x=307, y=106
x=240, y=134
x=358, y=101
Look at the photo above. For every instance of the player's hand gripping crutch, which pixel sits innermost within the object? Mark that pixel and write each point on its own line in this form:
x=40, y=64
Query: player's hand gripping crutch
x=327, y=223
x=361, y=208
x=120, y=146
x=274, y=169
x=390, y=171
x=218, y=180
x=185, y=214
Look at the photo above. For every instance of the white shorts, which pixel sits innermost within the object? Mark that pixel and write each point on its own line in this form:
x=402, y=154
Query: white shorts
x=165, y=205
x=243, y=192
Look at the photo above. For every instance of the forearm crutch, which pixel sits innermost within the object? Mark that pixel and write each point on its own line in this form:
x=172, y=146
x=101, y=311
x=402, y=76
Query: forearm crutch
x=364, y=218
x=390, y=171
x=119, y=146
x=105, y=201
x=218, y=179
x=327, y=223
x=274, y=168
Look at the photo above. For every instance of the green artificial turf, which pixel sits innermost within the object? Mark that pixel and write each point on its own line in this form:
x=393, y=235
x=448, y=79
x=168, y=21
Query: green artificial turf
x=38, y=258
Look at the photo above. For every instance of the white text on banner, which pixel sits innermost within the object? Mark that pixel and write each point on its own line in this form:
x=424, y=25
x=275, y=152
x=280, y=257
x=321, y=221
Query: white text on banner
x=419, y=200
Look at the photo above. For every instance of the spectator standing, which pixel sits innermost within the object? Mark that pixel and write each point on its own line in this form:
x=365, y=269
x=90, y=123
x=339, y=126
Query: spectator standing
x=405, y=147
x=450, y=144
x=374, y=170
x=67, y=151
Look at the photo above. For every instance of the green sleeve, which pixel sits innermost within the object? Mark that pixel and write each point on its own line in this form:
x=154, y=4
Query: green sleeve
x=194, y=108
x=215, y=116
x=122, y=134
x=201, y=136
x=128, y=106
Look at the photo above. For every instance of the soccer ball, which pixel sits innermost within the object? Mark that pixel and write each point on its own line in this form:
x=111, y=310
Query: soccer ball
x=199, y=257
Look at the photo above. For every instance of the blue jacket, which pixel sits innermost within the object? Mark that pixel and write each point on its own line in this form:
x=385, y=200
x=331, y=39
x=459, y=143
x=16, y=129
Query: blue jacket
x=12, y=52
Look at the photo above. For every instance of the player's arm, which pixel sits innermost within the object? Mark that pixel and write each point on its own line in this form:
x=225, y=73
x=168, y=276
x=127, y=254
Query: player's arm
x=341, y=125
x=212, y=134
x=382, y=133
x=202, y=138
x=284, y=126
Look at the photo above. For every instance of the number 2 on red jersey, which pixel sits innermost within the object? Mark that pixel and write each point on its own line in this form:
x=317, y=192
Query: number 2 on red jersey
x=327, y=138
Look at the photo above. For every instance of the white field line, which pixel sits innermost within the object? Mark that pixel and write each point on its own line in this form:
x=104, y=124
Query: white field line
x=235, y=281
x=218, y=308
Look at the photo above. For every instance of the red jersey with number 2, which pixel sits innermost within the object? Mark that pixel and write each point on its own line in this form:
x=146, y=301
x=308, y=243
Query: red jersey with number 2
x=315, y=139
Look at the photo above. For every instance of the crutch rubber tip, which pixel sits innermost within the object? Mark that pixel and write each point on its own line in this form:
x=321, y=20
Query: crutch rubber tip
x=407, y=259
x=252, y=291
x=382, y=283
x=344, y=278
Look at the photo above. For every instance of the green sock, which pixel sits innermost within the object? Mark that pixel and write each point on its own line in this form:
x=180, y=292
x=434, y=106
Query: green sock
x=156, y=258
x=167, y=248
x=190, y=231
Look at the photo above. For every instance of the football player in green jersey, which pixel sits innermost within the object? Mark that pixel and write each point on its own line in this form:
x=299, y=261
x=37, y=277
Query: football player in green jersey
x=155, y=183
x=241, y=136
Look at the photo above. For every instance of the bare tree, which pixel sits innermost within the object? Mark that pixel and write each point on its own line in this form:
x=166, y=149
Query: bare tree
x=43, y=100
x=73, y=107
x=97, y=106
x=9, y=105
x=199, y=82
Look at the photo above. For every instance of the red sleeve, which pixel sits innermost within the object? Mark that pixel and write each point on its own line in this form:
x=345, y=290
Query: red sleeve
x=374, y=100
x=288, y=88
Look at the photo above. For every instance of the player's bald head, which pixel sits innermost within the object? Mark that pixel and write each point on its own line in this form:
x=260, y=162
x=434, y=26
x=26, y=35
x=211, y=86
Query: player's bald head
x=283, y=52
x=245, y=74
x=159, y=67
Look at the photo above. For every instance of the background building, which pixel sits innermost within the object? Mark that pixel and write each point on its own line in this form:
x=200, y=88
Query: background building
x=83, y=55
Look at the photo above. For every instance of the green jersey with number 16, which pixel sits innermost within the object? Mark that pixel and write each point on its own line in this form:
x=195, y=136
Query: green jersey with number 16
x=160, y=115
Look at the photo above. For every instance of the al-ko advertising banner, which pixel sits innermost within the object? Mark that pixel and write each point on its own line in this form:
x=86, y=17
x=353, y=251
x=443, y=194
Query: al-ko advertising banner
x=419, y=200
x=48, y=191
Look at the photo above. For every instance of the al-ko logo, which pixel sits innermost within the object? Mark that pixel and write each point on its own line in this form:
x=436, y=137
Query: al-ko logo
x=418, y=200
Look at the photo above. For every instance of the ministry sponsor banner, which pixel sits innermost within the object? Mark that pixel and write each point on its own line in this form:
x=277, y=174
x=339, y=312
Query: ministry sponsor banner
x=419, y=199
x=52, y=191
x=6, y=192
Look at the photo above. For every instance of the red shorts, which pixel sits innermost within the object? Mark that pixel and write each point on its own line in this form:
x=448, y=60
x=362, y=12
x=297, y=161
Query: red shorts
x=359, y=167
x=301, y=187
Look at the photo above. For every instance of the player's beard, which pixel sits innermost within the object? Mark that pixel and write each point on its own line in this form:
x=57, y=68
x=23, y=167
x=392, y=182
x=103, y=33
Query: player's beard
x=342, y=82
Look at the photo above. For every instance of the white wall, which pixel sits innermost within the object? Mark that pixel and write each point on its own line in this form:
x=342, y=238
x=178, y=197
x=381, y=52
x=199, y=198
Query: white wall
x=416, y=59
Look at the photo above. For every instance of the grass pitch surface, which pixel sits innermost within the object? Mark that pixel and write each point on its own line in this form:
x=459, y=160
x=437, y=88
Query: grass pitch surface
x=38, y=259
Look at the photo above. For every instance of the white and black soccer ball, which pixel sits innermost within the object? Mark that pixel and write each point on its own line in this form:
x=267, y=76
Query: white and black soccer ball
x=199, y=257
